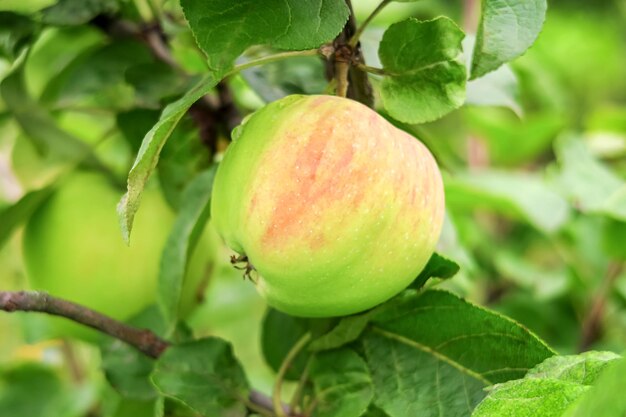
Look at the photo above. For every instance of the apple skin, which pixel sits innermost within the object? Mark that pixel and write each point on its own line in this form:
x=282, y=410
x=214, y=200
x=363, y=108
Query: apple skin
x=73, y=249
x=336, y=209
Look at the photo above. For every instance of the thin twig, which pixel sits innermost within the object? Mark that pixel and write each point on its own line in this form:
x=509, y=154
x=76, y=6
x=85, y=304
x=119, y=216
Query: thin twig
x=282, y=371
x=155, y=40
x=69, y=355
x=354, y=40
x=591, y=327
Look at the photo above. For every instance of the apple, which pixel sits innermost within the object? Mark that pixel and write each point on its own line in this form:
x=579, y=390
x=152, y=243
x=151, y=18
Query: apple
x=335, y=208
x=73, y=249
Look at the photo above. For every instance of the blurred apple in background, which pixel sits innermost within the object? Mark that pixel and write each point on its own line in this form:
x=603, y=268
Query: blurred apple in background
x=73, y=249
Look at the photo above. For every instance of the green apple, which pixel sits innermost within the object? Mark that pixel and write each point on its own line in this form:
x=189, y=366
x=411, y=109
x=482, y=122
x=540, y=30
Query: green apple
x=73, y=249
x=335, y=208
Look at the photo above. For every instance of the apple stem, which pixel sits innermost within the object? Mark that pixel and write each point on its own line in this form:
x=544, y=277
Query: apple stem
x=342, y=69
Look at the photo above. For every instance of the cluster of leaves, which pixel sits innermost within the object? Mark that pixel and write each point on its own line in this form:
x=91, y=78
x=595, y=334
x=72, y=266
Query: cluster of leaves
x=425, y=352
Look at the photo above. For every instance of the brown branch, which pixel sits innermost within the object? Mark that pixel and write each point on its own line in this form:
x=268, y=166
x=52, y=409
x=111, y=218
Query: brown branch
x=205, y=119
x=471, y=15
x=358, y=86
x=155, y=38
x=226, y=111
x=212, y=117
x=592, y=325
x=143, y=340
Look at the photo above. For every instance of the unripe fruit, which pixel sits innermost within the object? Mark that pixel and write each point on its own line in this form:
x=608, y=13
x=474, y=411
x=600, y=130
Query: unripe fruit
x=73, y=249
x=337, y=209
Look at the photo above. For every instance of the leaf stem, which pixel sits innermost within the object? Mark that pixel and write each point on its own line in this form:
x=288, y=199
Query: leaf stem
x=311, y=408
x=354, y=40
x=297, y=395
x=284, y=367
x=371, y=70
x=258, y=409
x=271, y=58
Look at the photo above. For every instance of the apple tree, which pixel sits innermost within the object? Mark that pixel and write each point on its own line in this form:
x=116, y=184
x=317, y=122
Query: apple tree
x=323, y=208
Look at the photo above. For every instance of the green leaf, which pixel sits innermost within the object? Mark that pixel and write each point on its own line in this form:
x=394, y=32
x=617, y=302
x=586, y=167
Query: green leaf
x=437, y=267
x=346, y=331
x=507, y=29
x=425, y=72
x=182, y=158
x=544, y=283
x=498, y=88
x=55, y=49
x=374, y=411
x=205, y=376
x=154, y=82
x=16, y=32
x=134, y=124
x=192, y=217
x=525, y=397
x=40, y=127
x=77, y=12
x=280, y=332
x=606, y=398
x=97, y=77
x=582, y=369
x=151, y=146
x=13, y=216
x=127, y=369
x=432, y=354
x=342, y=384
x=298, y=75
x=591, y=185
x=531, y=136
x=33, y=389
x=25, y=6
x=518, y=195
x=612, y=239
x=548, y=389
x=136, y=408
x=224, y=30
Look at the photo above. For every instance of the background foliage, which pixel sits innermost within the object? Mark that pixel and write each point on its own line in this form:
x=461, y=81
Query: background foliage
x=532, y=152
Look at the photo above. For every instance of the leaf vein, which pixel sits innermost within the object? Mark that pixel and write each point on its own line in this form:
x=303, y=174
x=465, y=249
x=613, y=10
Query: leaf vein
x=437, y=355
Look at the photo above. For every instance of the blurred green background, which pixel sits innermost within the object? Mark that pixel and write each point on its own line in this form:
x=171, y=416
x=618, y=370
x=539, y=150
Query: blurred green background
x=534, y=166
